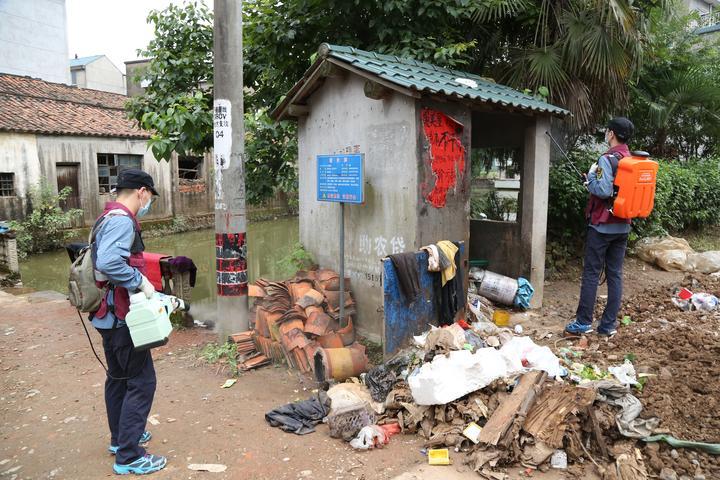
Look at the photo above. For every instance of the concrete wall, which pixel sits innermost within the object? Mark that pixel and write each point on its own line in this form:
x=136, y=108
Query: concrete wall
x=102, y=74
x=450, y=222
x=497, y=242
x=33, y=39
x=9, y=253
x=84, y=150
x=18, y=154
x=343, y=119
x=132, y=68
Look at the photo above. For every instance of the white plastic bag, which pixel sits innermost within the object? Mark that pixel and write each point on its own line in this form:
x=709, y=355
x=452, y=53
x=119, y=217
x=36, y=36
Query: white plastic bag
x=450, y=377
x=704, y=302
x=521, y=353
x=368, y=438
x=625, y=373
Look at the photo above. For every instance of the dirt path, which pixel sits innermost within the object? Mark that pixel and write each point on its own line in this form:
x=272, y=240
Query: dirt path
x=52, y=421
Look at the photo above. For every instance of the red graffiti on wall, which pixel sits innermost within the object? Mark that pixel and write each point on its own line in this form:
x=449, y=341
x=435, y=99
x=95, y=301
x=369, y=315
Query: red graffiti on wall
x=447, y=153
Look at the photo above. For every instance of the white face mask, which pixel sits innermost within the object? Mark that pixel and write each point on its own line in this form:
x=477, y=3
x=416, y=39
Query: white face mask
x=607, y=137
x=144, y=209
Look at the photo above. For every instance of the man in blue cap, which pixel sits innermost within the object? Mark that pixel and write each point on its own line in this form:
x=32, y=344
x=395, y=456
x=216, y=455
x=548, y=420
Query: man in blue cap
x=120, y=268
x=607, y=235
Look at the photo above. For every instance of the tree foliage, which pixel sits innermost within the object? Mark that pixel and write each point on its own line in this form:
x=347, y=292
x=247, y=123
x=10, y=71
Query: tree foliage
x=177, y=103
x=677, y=97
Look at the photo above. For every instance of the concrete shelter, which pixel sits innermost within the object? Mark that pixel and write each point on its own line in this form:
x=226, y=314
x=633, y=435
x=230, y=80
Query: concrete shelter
x=416, y=124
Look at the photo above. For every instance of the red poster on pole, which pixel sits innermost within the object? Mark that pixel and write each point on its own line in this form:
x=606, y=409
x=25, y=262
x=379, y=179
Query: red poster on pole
x=447, y=153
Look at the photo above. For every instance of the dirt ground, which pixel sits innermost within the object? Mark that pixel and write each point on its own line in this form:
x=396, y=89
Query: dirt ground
x=52, y=422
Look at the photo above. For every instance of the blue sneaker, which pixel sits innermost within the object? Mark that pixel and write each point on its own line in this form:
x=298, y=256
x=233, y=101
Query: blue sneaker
x=576, y=328
x=146, y=436
x=142, y=466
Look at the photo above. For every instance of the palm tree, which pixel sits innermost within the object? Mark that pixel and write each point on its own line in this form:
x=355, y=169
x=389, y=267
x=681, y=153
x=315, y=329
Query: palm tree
x=585, y=52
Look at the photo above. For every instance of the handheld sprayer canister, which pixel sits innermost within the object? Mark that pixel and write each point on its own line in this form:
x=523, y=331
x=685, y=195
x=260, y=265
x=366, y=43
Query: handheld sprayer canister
x=149, y=319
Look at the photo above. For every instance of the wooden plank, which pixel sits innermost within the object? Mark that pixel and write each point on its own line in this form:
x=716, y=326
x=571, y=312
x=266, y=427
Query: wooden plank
x=498, y=429
x=598, y=431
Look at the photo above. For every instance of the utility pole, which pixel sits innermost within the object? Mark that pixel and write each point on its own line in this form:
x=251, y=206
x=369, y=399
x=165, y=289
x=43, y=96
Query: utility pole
x=229, y=150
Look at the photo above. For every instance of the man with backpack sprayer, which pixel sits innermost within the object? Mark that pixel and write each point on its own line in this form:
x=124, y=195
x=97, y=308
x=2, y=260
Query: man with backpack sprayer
x=607, y=235
x=119, y=267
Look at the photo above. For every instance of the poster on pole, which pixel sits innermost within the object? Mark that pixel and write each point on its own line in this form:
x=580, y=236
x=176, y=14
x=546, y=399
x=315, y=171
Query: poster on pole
x=341, y=178
x=222, y=133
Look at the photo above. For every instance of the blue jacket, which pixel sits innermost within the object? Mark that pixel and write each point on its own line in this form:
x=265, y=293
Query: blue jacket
x=113, y=240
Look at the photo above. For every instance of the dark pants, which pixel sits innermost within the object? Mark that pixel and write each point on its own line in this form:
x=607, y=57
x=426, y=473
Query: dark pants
x=607, y=251
x=128, y=401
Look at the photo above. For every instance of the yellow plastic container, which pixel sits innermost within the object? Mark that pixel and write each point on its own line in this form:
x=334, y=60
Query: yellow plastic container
x=501, y=318
x=439, y=456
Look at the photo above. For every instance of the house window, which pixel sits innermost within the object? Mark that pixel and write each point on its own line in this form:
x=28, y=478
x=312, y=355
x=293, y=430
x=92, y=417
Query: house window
x=189, y=167
x=7, y=184
x=110, y=164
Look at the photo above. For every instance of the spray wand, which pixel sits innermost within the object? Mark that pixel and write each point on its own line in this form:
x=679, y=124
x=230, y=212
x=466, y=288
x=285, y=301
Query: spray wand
x=582, y=176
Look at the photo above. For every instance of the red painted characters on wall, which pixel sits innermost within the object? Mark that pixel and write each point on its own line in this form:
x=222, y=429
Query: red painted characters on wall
x=231, y=263
x=447, y=153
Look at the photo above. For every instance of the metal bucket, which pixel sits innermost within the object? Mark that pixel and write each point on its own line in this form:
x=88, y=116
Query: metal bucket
x=498, y=288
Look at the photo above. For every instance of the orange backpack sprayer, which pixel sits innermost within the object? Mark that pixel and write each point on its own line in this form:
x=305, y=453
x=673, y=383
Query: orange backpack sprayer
x=634, y=184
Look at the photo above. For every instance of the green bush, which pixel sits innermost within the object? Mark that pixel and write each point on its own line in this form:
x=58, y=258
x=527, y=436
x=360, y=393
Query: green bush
x=687, y=198
x=46, y=227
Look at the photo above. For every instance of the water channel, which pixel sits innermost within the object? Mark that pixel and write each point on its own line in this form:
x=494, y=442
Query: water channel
x=268, y=242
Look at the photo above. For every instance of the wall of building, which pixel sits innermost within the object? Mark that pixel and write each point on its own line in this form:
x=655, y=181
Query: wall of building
x=193, y=197
x=132, y=68
x=102, y=74
x=33, y=39
x=342, y=119
x=451, y=221
x=83, y=151
x=18, y=154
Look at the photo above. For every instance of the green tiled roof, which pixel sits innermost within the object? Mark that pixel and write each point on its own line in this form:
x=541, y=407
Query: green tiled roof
x=427, y=78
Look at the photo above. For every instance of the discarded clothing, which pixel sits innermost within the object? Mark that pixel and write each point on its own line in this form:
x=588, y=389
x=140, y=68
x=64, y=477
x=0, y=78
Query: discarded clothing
x=449, y=249
x=380, y=380
x=406, y=266
x=437, y=260
x=524, y=293
x=184, y=264
x=452, y=295
x=300, y=417
x=627, y=420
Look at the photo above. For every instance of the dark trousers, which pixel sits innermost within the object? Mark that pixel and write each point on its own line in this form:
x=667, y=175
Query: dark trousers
x=602, y=250
x=128, y=402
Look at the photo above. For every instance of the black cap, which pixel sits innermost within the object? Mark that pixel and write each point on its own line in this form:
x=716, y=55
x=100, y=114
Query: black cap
x=135, y=178
x=622, y=127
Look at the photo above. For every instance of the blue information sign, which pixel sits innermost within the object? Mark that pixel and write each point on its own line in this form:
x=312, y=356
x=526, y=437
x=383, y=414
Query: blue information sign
x=340, y=178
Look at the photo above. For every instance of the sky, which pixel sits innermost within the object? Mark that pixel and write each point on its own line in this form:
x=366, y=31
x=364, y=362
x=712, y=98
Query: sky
x=116, y=28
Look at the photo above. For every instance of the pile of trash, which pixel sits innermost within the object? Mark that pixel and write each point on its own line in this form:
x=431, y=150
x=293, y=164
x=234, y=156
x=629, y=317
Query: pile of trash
x=497, y=399
x=300, y=318
x=671, y=253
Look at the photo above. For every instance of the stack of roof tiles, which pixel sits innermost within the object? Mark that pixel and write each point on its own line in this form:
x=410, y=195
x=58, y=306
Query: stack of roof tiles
x=302, y=315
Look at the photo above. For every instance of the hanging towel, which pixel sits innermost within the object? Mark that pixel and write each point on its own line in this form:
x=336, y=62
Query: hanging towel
x=449, y=249
x=433, y=258
x=406, y=266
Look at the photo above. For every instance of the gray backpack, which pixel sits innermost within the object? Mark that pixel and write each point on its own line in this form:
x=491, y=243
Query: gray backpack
x=83, y=292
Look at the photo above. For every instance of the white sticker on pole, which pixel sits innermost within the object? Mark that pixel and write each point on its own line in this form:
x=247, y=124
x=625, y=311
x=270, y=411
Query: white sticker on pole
x=222, y=129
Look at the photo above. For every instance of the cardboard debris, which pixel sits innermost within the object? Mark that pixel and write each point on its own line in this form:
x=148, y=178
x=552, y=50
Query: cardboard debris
x=546, y=421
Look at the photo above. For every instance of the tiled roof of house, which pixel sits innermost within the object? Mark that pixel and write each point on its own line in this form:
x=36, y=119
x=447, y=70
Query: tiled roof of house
x=30, y=105
x=419, y=77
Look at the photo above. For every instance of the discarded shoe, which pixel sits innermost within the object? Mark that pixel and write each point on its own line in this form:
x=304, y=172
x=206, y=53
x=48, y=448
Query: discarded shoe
x=576, y=328
x=142, y=466
x=146, y=436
